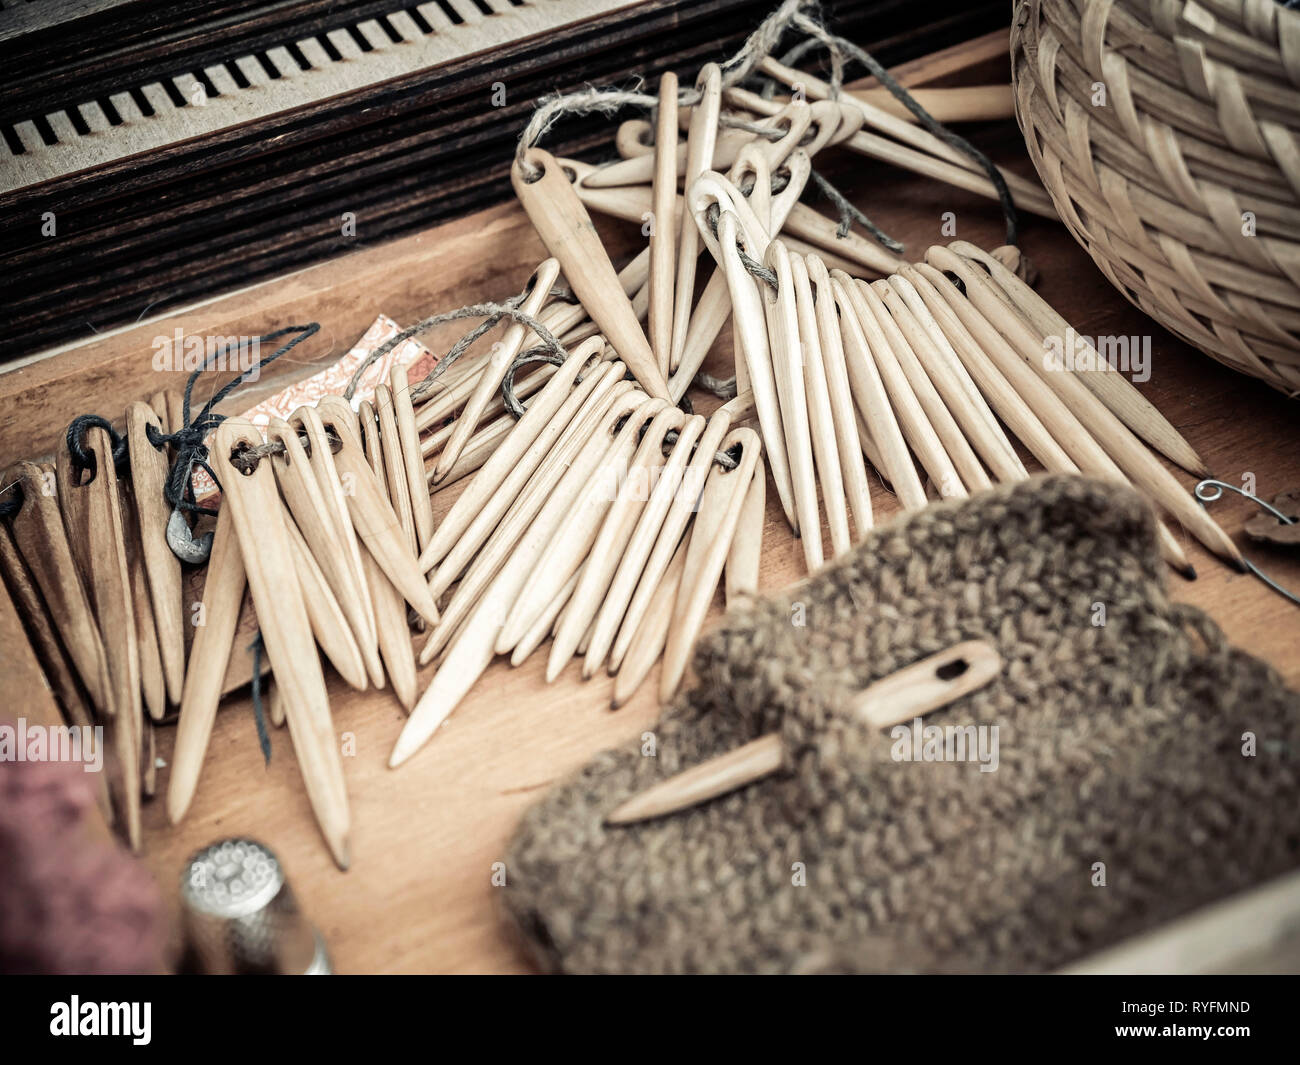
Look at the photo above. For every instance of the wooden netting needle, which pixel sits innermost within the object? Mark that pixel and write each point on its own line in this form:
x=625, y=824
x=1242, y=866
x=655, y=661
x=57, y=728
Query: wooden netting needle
x=856, y=486
x=149, y=469
x=567, y=231
x=223, y=595
x=259, y=521
x=912, y=692
x=711, y=538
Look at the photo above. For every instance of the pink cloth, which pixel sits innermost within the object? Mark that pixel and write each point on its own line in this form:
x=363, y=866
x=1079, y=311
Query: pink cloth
x=70, y=902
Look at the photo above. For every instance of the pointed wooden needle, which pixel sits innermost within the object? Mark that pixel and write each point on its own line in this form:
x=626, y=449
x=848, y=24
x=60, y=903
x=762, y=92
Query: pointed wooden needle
x=259, y=521
x=372, y=516
x=1026, y=404
x=153, y=685
x=1128, y=452
x=679, y=516
x=912, y=417
x=110, y=586
x=329, y=536
x=328, y=623
x=390, y=609
x=952, y=380
x=567, y=552
x=1111, y=387
x=701, y=139
x=821, y=417
x=831, y=346
x=612, y=541
x=646, y=643
x=649, y=526
x=332, y=502
x=409, y=442
x=663, y=234
x=223, y=595
x=714, y=529
x=741, y=574
x=507, y=457
x=941, y=418
x=567, y=231
x=912, y=692
x=894, y=460
x=752, y=344
x=393, y=478
x=44, y=545
x=149, y=470
x=788, y=367
x=502, y=355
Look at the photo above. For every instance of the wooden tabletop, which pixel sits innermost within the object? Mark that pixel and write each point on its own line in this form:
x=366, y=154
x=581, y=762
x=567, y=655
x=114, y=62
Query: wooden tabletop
x=419, y=895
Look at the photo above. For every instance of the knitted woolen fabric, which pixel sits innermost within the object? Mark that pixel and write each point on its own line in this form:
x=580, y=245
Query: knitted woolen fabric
x=1127, y=790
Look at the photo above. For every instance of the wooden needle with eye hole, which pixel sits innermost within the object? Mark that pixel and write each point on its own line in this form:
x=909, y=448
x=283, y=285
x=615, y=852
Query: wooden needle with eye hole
x=831, y=344
x=911, y=692
x=711, y=538
x=313, y=509
x=612, y=541
x=701, y=139
x=390, y=609
x=223, y=595
x=110, y=585
x=663, y=232
x=409, y=441
x=149, y=469
x=393, y=479
x=333, y=503
x=259, y=520
x=741, y=573
x=567, y=231
x=752, y=345
x=44, y=544
x=821, y=417
x=373, y=518
x=787, y=364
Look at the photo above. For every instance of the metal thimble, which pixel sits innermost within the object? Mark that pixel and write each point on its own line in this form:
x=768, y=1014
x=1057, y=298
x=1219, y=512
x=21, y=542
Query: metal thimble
x=241, y=918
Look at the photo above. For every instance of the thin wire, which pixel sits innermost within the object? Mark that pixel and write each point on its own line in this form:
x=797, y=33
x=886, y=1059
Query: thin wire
x=1209, y=490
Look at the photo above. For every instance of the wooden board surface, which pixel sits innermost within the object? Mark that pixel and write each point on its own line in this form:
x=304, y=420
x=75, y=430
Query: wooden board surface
x=419, y=896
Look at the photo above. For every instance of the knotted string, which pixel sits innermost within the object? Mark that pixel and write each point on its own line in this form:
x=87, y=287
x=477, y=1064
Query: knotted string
x=85, y=460
x=190, y=439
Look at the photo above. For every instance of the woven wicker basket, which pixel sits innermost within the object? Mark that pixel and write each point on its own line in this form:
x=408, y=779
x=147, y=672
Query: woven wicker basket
x=1168, y=134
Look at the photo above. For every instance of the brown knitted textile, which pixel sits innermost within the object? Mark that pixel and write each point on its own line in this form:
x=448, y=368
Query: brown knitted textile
x=1120, y=743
